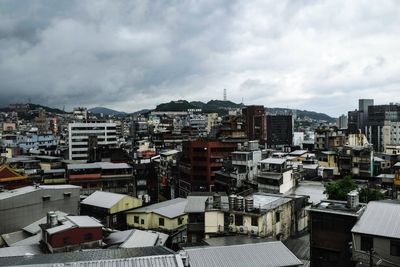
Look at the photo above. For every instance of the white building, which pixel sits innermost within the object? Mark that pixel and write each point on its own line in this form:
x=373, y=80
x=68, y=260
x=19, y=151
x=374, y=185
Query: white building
x=275, y=175
x=78, y=138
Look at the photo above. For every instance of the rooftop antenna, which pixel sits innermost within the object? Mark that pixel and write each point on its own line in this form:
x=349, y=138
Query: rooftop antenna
x=224, y=94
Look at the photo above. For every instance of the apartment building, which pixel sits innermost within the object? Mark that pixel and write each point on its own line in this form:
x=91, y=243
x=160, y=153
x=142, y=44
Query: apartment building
x=84, y=138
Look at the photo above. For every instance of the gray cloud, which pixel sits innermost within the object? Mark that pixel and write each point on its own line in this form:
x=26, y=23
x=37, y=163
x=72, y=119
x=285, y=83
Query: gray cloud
x=129, y=55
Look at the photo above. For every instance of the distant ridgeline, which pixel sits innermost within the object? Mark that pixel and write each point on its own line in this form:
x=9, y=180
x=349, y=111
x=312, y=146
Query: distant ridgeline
x=213, y=106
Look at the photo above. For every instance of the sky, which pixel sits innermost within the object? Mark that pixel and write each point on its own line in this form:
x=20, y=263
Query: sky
x=130, y=55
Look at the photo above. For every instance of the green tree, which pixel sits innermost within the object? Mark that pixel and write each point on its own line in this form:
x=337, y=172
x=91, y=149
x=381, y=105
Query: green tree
x=338, y=190
x=370, y=194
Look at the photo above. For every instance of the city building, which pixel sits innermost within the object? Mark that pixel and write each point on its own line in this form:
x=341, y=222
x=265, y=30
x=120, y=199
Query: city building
x=22, y=206
x=109, y=207
x=331, y=222
x=241, y=170
x=105, y=176
x=259, y=214
x=71, y=233
x=275, y=175
x=167, y=216
x=255, y=123
x=342, y=122
x=328, y=138
x=376, y=239
x=83, y=139
x=356, y=161
x=200, y=159
x=279, y=131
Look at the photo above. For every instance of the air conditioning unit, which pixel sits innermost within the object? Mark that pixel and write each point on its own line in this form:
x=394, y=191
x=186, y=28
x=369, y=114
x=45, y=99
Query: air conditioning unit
x=254, y=232
x=242, y=230
x=232, y=228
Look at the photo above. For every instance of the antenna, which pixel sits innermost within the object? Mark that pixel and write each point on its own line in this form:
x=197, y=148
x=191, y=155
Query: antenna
x=224, y=94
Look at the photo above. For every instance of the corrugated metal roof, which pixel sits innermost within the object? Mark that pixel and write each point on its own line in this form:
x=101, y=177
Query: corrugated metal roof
x=84, y=221
x=273, y=161
x=98, y=256
x=260, y=254
x=33, y=240
x=170, y=208
x=140, y=238
x=380, y=218
x=118, y=237
x=103, y=199
x=20, y=251
x=156, y=261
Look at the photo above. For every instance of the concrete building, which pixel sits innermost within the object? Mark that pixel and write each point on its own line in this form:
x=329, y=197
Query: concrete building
x=200, y=159
x=279, y=131
x=330, y=231
x=375, y=235
x=342, y=122
x=106, y=176
x=275, y=175
x=23, y=206
x=328, y=138
x=356, y=161
x=255, y=123
x=83, y=138
x=260, y=214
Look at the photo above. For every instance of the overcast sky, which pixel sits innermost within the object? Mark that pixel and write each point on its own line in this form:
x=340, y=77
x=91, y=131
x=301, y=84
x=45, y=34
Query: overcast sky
x=129, y=55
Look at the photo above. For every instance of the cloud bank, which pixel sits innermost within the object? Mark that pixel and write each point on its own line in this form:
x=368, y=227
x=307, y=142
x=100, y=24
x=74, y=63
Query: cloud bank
x=129, y=55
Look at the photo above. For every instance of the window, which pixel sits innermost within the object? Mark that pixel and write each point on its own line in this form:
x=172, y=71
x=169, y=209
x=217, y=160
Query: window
x=136, y=219
x=180, y=221
x=142, y=221
x=254, y=221
x=161, y=221
x=67, y=194
x=394, y=248
x=367, y=243
x=46, y=198
x=88, y=237
x=238, y=219
x=277, y=216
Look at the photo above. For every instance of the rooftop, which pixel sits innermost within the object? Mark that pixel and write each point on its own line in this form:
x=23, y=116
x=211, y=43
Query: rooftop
x=337, y=207
x=80, y=257
x=30, y=189
x=103, y=199
x=99, y=165
x=381, y=218
x=273, y=161
x=260, y=254
x=170, y=208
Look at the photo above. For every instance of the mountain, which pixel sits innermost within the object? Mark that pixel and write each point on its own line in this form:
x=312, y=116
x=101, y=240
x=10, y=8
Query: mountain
x=303, y=113
x=106, y=111
x=140, y=112
x=180, y=105
x=217, y=106
x=33, y=107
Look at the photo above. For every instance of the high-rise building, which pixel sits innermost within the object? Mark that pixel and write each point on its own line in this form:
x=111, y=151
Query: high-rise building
x=383, y=127
x=255, y=123
x=279, y=131
x=342, y=122
x=83, y=138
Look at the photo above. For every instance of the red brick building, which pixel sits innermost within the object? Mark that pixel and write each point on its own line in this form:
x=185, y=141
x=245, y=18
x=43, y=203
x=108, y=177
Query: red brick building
x=200, y=159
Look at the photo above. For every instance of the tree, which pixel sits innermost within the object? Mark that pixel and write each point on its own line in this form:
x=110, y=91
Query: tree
x=338, y=190
x=370, y=194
